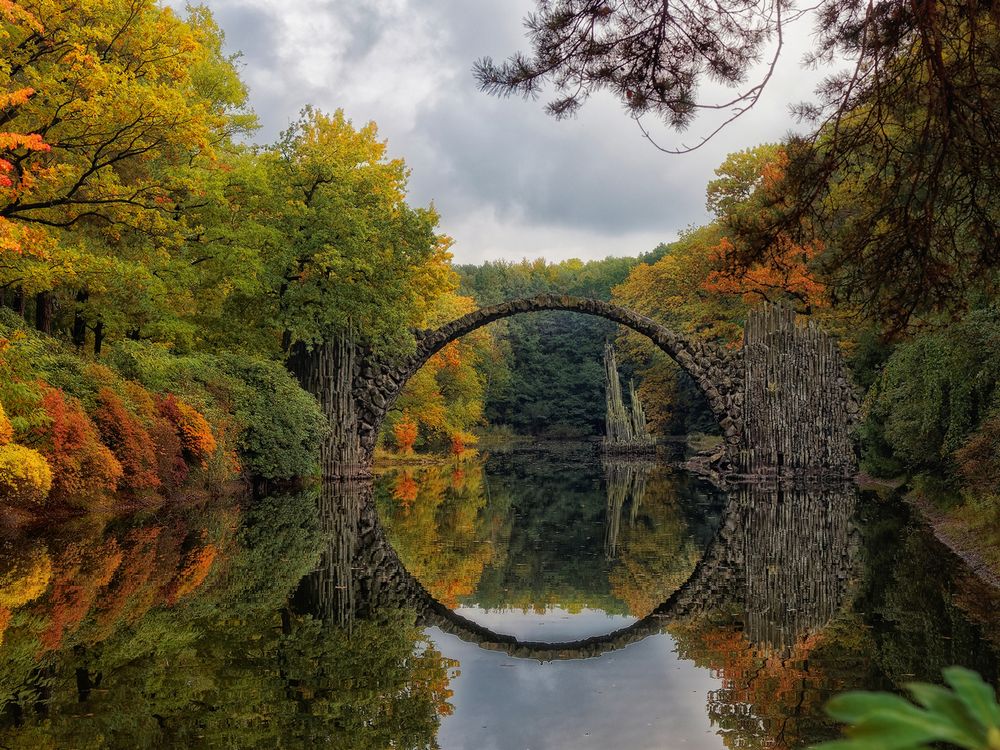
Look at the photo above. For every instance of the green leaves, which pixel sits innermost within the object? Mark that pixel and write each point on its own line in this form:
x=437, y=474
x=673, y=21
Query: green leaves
x=967, y=716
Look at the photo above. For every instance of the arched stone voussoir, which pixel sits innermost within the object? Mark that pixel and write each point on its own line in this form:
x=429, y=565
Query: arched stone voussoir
x=697, y=358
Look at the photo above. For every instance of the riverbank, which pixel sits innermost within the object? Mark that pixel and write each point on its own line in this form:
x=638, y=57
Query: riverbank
x=971, y=534
x=966, y=532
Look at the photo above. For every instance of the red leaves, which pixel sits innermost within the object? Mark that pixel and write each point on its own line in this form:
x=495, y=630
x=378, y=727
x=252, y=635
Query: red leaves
x=129, y=441
x=82, y=467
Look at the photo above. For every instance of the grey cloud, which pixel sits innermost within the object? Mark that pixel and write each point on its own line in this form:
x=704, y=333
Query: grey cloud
x=473, y=154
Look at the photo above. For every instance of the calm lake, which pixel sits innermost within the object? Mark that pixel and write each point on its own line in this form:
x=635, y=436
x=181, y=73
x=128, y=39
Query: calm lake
x=536, y=597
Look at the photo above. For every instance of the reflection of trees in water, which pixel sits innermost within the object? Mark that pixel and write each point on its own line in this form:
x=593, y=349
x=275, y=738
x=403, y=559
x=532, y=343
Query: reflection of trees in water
x=656, y=551
x=153, y=651
x=626, y=483
x=788, y=563
x=531, y=536
x=443, y=528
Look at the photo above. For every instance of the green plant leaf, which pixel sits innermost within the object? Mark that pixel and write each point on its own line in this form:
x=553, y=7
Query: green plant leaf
x=979, y=697
x=945, y=703
x=856, y=705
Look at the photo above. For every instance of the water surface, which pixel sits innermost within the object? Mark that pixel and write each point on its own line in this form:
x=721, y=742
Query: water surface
x=681, y=616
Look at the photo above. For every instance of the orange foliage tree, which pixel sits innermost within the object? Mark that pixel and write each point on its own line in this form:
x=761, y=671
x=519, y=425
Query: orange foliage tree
x=785, y=275
x=192, y=428
x=405, y=432
x=82, y=466
x=741, y=196
x=128, y=440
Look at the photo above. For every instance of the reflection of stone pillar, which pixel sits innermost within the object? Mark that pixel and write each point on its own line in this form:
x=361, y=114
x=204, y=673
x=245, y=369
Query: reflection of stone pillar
x=359, y=571
x=330, y=591
x=625, y=480
x=796, y=550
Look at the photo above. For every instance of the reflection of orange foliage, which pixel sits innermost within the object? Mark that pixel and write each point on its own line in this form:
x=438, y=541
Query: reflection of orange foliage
x=192, y=428
x=192, y=575
x=131, y=591
x=80, y=572
x=81, y=465
x=436, y=531
x=406, y=489
x=129, y=441
x=778, y=688
x=405, y=431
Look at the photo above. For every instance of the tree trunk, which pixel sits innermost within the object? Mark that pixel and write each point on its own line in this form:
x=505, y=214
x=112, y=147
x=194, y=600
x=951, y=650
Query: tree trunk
x=43, y=312
x=98, y=337
x=79, y=322
x=19, y=301
x=327, y=372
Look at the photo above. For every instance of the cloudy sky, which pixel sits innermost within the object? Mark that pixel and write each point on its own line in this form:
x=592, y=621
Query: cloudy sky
x=509, y=181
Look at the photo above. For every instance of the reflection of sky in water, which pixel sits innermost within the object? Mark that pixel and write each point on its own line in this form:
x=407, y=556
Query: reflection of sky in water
x=641, y=697
x=556, y=624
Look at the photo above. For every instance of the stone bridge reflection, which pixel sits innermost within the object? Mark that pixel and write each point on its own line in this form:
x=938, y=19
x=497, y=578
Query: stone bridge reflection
x=783, y=558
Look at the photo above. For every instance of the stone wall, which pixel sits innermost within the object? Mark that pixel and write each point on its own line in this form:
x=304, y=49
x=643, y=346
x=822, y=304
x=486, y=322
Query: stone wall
x=800, y=407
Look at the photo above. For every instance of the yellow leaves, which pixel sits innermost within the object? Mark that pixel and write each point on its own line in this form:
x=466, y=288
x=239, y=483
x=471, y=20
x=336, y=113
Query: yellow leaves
x=26, y=577
x=6, y=428
x=25, y=476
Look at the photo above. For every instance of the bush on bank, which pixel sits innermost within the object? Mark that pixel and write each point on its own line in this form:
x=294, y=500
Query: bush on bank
x=142, y=421
x=936, y=405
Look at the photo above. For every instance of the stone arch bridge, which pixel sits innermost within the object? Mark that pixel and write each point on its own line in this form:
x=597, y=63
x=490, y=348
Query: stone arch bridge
x=783, y=401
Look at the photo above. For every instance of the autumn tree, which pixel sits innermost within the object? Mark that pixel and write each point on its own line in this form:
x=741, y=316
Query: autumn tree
x=118, y=113
x=405, y=431
x=785, y=271
x=446, y=396
x=900, y=168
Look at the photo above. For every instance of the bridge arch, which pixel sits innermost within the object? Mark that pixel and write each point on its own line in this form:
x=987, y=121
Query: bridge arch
x=716, y=371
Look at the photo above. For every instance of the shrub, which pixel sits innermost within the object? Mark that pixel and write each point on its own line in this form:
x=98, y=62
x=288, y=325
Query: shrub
x=6, y=428
x=171, y=468
x=192, y=428
x=978, y=459
x=122, y=432
x=280, y=425
x=82, y=467
x=25, y=476
x=933, y=393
